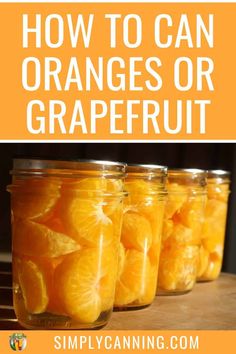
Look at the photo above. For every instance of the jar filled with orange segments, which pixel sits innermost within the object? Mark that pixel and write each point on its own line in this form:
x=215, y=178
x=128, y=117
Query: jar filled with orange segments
x=66, y=223
x=213, y=233
x=181, y=235
x=140, y=236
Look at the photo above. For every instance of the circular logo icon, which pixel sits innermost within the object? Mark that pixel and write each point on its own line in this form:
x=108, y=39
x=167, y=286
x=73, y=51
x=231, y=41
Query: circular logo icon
x=18, y=342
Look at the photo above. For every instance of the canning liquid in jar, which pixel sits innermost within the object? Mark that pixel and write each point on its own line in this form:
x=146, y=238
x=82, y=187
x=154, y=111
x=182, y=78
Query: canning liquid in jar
x=213, y=233
x=140, y=236
x=66, y=222
x=183, y=220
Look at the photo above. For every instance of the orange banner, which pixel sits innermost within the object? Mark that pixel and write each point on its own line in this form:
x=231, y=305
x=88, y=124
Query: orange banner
x=118, y=71
x=37, y=342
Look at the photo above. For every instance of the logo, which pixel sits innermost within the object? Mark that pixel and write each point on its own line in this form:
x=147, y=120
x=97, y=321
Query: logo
x=18, y=342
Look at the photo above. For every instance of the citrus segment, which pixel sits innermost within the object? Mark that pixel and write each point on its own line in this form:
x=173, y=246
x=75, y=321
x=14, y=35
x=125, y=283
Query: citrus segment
x=86, y=222
x=136, y=232
x=33, y=239
x=177, y=196
x=80, y=280
x=85, y=184
x=178, y=266
x=36, y=198
x=33, y=286
x=132, y=284
x=203, y=261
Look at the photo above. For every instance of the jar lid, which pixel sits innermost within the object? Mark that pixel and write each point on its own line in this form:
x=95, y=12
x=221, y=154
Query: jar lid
x=41, y=166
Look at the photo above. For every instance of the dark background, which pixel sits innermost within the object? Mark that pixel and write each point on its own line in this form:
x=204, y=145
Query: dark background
x=191, y=155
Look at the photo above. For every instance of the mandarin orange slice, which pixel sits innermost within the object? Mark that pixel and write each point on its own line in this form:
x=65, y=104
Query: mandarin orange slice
x=85, y=184
x=86, y=222
x=203, y=261
x=177, y=268
x=33, y=287
x=81, y=281
x=36, y=198
x=133, y=281
x=33, y=239
x=177, y=196
x=213, y=270
x=136, y=232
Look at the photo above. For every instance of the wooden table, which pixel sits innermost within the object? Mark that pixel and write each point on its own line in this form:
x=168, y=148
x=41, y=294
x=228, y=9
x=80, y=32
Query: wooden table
x=210, y=305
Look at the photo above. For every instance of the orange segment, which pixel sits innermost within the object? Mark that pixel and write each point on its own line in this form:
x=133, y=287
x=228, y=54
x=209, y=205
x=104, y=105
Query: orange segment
x=177, y=196
x=33, y=287
x=136, y=232
x=85, y=184
x=86, y=222
x=132, y=284
x=121, y=260
x=213, y=270
x=178, y=265
x=110, y=204
x=203, y=261
x=81, y=281
x=36, y=198
x=168, y=226
x=182, y=235
x=33, y=239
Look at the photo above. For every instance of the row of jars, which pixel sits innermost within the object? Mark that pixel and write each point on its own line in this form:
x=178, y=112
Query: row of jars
x=88, y=236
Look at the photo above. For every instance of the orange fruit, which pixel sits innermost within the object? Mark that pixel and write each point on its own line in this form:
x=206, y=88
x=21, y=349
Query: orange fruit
x=218, y=191
x=178, y=267
x=83, y=283
x=121, y=259
x=154, y=253
x=182, y=235
x=85, y=221
x=168, y=226
x=148, y=294
x=192, y=213
x=36, y=198
x=33, y=286
x=33, y=239
x=177, y=196
x=132, y=283
x=213, y=270
x=216, y=210
x=203, y=261
x=85, y=184
x=112, y=203
x=136, y=232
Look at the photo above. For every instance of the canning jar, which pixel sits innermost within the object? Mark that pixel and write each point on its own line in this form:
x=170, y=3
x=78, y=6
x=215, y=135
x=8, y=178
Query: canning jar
x=140, y=236
x=213, y=233
x=183, y=220
x=66, y=222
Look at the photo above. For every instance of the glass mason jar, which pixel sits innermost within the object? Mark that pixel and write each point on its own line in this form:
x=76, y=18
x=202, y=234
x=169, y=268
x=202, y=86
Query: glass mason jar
x=183, y=220
x=140, y=236
x=213, y=233
x=66, y=222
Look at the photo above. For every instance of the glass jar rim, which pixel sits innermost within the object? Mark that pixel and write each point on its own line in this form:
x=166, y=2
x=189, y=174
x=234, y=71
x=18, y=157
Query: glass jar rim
x=218, y=174
x=146, y=168
x=187, y=172
x=38, y=166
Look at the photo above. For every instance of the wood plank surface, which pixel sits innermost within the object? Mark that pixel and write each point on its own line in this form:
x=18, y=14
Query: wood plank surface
x=210, y=305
